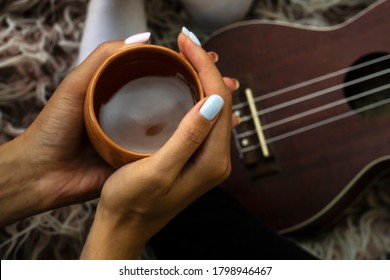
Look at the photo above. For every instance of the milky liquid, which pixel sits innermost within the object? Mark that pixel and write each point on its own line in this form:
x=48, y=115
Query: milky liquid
x=144, y=113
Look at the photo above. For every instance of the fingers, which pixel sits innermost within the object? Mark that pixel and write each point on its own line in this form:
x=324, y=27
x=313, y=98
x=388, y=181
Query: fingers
x=189, y=135
x=208, y=73
x=212, y=83
x=231, y=83
x=213, y=56
x=77, y=81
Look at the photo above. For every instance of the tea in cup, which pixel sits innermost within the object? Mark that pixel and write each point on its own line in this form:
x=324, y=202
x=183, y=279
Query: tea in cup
x=136, y=99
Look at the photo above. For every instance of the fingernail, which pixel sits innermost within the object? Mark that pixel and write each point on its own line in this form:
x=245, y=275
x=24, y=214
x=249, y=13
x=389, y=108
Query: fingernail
x=194, y=39
x=212, y=107
x=138, y=38
x=185, y=31
x=191, y=35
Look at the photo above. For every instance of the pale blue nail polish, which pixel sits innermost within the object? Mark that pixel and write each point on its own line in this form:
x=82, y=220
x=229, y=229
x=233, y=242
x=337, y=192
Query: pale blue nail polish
x=191, y=35
x=185, y=31
x=194, y=39
x=211, y=107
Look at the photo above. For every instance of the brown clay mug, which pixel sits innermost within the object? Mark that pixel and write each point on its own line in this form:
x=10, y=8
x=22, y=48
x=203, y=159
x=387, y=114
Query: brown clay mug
x=136, y=99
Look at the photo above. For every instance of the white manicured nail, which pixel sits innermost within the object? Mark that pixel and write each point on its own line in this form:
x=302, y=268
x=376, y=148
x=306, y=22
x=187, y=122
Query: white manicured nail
x=138, y=38
x=185, y=31
x=194, y=39
x=191, y=35
x=212, y=107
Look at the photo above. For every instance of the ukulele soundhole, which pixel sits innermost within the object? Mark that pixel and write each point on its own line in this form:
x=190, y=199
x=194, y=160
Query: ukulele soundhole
x=368, y=86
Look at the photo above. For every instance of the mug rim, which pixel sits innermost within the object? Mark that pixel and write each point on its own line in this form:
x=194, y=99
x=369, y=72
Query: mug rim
x=100, y=70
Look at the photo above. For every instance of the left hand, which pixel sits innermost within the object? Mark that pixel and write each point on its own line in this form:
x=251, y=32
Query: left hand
x=56, y=164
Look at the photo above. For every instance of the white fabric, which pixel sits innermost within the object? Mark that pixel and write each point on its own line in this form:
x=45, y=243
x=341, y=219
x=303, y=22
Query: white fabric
x=111, y=20
x=216, y=13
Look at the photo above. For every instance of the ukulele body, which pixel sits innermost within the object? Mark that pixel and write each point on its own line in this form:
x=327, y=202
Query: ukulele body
x=324, y=145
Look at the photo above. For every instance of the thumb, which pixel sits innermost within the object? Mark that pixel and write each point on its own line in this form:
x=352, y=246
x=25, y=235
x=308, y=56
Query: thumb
x=189, y=135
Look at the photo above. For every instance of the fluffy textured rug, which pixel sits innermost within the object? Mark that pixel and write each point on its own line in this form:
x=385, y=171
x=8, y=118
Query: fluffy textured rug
x=39, y=45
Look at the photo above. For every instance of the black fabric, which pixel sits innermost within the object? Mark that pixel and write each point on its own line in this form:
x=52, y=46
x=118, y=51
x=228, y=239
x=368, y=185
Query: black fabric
x=216, y=227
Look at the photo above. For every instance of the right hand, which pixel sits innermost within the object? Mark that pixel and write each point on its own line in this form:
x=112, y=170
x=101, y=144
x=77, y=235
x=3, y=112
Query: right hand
x=141, y=197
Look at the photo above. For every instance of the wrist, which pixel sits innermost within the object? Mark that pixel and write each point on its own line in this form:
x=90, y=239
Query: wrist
x=112, y=237
x=19, y=184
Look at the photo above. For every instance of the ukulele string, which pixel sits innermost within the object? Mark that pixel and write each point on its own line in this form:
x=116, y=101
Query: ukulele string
x=320, y=93
x=313, y=81
x=274, y=139
x=312, y=126
x=312, y=111
x=329, y=120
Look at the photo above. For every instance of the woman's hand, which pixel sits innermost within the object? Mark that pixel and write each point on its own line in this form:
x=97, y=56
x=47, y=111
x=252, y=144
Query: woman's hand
x=141, y=197
x=53, y=164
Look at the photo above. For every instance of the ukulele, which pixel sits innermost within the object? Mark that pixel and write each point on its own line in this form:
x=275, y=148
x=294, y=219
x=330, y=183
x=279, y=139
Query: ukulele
x=315, y=115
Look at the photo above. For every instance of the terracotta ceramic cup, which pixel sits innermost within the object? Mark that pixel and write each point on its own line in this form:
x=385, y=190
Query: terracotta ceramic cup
x=136, y=99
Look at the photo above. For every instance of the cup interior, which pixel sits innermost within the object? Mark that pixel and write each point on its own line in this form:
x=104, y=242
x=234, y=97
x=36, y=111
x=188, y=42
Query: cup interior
x=135, y=63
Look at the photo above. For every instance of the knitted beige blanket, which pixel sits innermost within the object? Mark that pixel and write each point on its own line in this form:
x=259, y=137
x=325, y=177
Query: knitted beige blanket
x=39, y=41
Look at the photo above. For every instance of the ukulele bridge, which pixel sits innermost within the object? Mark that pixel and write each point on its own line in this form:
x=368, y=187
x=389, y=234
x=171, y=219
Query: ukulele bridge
x=249, y=137
x=257, y=123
